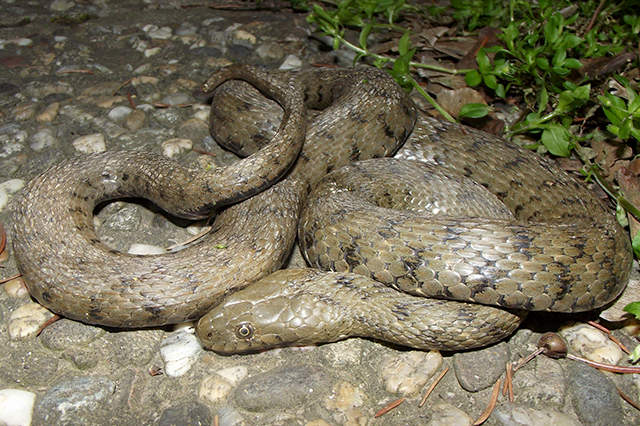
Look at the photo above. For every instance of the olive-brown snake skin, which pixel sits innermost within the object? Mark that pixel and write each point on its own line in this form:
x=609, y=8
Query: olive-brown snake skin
x=554, y=246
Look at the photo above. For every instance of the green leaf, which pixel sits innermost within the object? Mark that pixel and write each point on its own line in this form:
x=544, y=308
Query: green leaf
x=625, y=129
x=572, y=63
x=543, y=99
x=473, y=78
x=474, y=110
x=364, y=35
x=634, y=307
x=559, y=57
x=635, y=243
x=404, y=44
x=501, y=91
x=490, y=81
x=557, y=140
x=542, y=63
x=484, y=64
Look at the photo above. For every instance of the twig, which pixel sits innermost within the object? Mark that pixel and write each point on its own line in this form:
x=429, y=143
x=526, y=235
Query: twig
x=389, y=407
x=492, y=404
x=595, y=16
x=78, y=71
x=133, y=105
x=13, y=277
x=628, y=399
x=508, y=382
x=121, y=86
x=48, y=322
x=432, y=386
x=606, y=367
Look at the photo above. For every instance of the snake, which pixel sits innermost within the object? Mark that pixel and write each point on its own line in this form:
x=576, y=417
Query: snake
x=511, y=229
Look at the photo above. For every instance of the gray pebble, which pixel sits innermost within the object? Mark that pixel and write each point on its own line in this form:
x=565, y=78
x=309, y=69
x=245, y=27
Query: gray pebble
x=594, y=396
x=188, y=414
x=480, y=369
x=175, y=99
x=282, y=388
x=77, y=401
x=126, y=218
x=64, y=333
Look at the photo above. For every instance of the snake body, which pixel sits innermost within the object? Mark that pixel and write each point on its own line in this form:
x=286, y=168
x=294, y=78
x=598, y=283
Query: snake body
x=553, y=247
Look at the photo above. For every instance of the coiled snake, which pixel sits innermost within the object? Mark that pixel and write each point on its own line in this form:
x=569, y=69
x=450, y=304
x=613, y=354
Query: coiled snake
x=553, y=247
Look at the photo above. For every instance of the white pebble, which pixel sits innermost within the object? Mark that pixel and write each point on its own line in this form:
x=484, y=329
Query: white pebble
x=16, y=407
x=233, y=375
x=162, y=33
x=90, y=143
x=27, y=320
x=179, y=351
x=23, y=42
x=448, y=415
x=214, y=389
x=592, y=344
x=41, y=140
x=176, y=146
x=49, y=113
x=15, y=288
x=151, y=52
x=244, y=35
x=145, y=249
x=119, y=113
x=291, y=62
x=408, y=372
x=7, y=188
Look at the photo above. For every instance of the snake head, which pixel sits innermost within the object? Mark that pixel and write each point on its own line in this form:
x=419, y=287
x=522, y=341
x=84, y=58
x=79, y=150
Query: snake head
x=272, y=312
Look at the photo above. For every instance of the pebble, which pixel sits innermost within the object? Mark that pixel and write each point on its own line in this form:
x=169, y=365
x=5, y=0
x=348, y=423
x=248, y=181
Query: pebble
x=136, y=120
x=514, y=415
x=477, y=370
x=146, y=249
x=49, y=113
x=214, y=389
x=162, y=33
x=152, y=52
x=77, y=398
x=175, y=99
x=270, y=51
x=227, y=416
x=173, y=147
x=541, y=382
x=347, y=399
x=61, y=5
x=179, y=351
x=448, y=415
x=16, y=288
x=27, y=320
x=190, y=414
x=282, y=388
x=594, y=396
x=122, y=216
x=7, y=188
x=23, y=112
x=233, y=375
x=592, y=344
x=195, y=129
x=16, y=407
x=42, y=139
x=242, y=35
x=408, y=372
x=66, y=333
x=291, y=62
x=119, y=113
x=89, y=144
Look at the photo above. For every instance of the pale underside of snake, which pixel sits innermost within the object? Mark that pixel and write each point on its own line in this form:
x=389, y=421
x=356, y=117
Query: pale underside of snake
x=467, y=217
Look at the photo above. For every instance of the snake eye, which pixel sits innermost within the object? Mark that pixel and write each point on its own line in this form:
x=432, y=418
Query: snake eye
x=244, y=330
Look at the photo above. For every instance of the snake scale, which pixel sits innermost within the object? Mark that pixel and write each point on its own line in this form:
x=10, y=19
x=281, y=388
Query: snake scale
x=524, y=236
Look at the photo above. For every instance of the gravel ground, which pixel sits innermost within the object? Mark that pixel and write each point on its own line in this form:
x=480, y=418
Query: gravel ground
x=68, y=72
